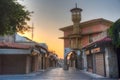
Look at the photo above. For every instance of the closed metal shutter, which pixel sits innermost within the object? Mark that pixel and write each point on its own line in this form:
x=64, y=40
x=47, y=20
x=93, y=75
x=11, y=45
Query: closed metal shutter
x=90, y=63
x=99, y=64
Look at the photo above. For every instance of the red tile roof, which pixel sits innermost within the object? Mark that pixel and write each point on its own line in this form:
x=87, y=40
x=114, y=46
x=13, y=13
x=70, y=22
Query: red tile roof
x=14, y=45
x=105, y=39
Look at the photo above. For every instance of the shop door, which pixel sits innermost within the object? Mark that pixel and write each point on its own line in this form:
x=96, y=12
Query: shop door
x=90, y=62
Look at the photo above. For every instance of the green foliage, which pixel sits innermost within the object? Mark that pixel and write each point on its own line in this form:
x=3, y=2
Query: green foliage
x=114, y=33
x=13, y=17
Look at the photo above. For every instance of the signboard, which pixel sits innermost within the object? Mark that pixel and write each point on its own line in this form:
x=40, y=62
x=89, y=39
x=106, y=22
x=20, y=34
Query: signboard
x=95, y=50
x=87, y=52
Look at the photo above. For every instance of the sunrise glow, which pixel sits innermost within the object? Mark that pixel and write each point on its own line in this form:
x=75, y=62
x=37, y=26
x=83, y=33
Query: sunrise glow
x=50, y=15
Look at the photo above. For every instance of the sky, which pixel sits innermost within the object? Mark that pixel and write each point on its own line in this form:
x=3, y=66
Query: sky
x=50, y=15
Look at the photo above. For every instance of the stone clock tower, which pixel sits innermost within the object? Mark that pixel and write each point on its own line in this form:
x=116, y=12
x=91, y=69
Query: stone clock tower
x=74, y=40
x=76, y=35
x=76, y=18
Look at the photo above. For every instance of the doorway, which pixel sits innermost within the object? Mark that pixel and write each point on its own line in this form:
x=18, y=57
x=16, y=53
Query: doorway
x=72, y=60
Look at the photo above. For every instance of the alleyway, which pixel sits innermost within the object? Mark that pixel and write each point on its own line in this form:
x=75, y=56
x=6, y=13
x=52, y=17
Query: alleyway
x=53, y=74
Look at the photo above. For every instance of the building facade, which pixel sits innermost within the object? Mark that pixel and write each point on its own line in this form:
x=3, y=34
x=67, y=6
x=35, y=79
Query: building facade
x=87, y=46
x=16, y=58
x=22, y=56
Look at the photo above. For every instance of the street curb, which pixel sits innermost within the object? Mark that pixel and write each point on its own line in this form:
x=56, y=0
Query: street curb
x=92, y=74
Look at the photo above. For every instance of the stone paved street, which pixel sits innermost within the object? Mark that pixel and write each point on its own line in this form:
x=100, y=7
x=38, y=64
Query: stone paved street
x=53, y=74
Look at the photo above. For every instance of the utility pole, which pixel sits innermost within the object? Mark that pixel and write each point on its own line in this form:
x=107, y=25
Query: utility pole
x=32, y=35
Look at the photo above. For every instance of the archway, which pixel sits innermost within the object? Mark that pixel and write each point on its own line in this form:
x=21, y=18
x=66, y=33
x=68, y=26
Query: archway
x=72, y=58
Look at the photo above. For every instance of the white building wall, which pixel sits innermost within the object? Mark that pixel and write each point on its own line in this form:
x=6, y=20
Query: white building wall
x=84, y=57
x=107, y=62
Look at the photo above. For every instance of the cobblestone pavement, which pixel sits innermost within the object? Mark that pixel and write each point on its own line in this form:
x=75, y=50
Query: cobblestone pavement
x=53, y=74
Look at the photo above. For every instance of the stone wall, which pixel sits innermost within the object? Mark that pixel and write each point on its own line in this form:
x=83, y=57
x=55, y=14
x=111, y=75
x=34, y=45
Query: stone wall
x=113, y=64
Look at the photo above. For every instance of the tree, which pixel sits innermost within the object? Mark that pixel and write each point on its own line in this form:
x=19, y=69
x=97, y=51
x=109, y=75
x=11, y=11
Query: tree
x=114, y=33
x=13, y=17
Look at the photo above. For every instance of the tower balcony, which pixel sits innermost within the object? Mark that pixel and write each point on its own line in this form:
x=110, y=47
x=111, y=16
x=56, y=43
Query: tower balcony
x=75, y=35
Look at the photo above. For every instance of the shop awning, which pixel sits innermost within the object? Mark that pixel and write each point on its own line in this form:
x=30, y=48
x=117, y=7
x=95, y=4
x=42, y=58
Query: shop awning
x=99, y=42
